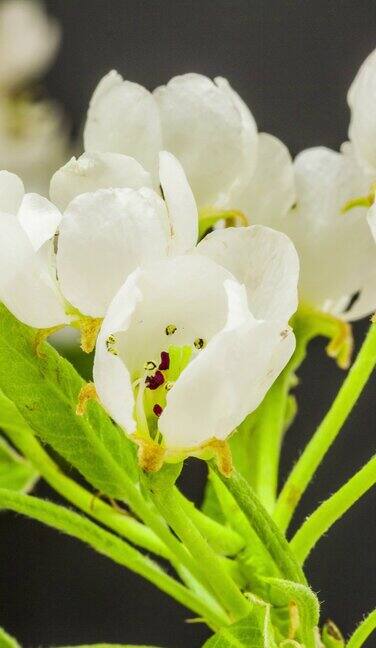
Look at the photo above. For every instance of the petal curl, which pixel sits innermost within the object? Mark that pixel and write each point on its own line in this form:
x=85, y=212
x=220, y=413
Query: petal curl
x=39, y=219
x=180, y=202
x=27, y=286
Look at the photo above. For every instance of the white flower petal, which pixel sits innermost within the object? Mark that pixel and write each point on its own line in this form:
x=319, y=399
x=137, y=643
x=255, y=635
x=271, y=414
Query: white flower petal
x=185, y=291
x=180, y=204
x=371, y=218
x=336, y=250
x=227, y=381
x=150, y=300
x=111, y=376
x=123, y=118
x=11, y=192
x=28, y=41
x=103, y=237
x=265, y=261
x=92, y=171
x=27, y=287
x=361, y=100
x=271, y=190
x=39, y=218
x=205, y=128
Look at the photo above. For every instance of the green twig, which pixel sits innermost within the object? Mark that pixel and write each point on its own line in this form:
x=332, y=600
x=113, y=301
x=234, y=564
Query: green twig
x=265, y=528
x=22, y=437
x=109, y=545
x=326, y=433
x=363, y=631
x=331, y=510
x=211, y=567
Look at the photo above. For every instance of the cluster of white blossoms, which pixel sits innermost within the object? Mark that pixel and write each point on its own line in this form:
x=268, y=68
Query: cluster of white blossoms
x=191, y=333
x=33, y=134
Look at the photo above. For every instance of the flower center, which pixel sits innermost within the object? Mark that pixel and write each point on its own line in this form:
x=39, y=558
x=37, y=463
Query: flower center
x=157, y=376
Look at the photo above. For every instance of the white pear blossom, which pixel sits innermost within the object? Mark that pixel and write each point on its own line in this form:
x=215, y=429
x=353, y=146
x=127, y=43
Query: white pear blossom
x=102, y=236
x=191, y=344
x=29, y=40
x=337, y=253
x=361, y=100
x=33, y=140
x=208, y=127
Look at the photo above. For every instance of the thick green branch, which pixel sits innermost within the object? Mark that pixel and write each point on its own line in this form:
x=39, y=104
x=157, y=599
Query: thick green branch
x=326, y=433
x=331, y=510
x=109, y=545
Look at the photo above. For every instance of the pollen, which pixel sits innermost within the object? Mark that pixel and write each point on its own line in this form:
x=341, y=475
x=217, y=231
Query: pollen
x=199, y=343
x=110, y=345
x=165, y=361
x=170, y=329
x=153, y=382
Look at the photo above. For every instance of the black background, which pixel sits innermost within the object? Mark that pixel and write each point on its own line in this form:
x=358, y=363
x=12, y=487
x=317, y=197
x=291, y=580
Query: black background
x=292, y=61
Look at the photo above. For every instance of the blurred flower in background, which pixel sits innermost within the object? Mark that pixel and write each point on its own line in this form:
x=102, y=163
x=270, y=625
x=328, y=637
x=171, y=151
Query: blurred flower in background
x=33, y=132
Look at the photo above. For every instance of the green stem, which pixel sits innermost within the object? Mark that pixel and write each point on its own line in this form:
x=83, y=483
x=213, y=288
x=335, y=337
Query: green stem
x=211, y=567
x=331, y=510
x=22, y=437
x=265, y=528
x=6, y=641
x=363, y=631
x=266, y=442
x=223, y=540
x=109, y=545
x=326, y=433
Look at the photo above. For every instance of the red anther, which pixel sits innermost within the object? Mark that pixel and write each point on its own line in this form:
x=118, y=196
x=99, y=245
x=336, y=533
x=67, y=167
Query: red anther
x=157, y=409
x=165, y=361
x=153, y=382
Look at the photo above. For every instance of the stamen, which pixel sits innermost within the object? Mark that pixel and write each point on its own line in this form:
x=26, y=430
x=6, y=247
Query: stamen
x=165, y=361
x=170, y=329
x=157, y=409
x=150, y=366
x=110, y=344
x=199, y=343
x=153, y=382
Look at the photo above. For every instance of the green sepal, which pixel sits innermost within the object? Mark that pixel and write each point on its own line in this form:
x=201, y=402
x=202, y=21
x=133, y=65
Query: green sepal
x=164, y=478
x=332, y=636
x=254, y=630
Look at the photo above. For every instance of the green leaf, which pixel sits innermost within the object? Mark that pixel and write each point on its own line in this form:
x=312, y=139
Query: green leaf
x=6, y=641
x=109, y=645
x=45, y=391
x=254, y=631
x=16, y=473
